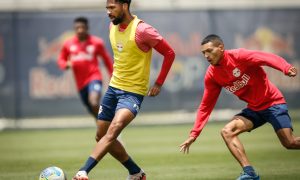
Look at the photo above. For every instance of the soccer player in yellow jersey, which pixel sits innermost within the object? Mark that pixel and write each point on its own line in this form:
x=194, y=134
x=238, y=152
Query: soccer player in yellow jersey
x=132, y=41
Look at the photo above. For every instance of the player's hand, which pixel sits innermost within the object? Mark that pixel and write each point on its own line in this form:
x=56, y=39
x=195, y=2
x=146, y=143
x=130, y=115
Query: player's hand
x=292, y=72
x=154, y=90
x=185, y=146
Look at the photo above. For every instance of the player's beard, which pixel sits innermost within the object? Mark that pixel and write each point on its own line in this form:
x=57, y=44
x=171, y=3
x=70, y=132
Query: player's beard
x=118, y=19
x=82, y=36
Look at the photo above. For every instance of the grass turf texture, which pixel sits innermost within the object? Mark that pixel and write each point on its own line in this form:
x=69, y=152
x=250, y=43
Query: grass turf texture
x=23, y=154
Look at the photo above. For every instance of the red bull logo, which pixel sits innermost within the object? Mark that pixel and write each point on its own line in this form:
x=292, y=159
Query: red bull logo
x=50, y=50
x=266, y=40
x=45, y=85
x=238, y=84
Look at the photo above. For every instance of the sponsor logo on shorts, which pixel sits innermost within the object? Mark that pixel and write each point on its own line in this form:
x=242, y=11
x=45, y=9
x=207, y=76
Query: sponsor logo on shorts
x=136, y=107
x=100, y=109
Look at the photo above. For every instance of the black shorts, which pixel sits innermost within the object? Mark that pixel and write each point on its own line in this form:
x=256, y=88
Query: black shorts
x=276, y=115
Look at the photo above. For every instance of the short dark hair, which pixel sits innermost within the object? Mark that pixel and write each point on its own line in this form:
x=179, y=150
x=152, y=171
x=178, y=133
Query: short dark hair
x=82, y=19
x=215, y=39
x=124, y=1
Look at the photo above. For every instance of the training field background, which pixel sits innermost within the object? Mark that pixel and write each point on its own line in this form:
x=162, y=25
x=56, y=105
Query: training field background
x=24, y=153
x=43, y=123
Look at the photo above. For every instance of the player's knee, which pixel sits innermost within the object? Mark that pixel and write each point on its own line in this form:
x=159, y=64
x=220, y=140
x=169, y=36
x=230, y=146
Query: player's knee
x=94, y=104
x=114, y=131
x=94, y=101
x=110, y=137
x=95, y=107
x=226, y=132
x=290, y=144
x=94, y=110
x=98, y=136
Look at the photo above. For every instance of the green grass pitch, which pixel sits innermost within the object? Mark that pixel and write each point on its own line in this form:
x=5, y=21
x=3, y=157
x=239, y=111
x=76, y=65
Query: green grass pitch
x=24, y=153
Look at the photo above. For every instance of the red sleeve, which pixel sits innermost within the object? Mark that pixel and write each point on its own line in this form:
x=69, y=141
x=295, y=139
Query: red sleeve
x=264, y=59
x=169, y=55
x=209, y=99
x=106, y=58
x=63, y=57
x=146, y=36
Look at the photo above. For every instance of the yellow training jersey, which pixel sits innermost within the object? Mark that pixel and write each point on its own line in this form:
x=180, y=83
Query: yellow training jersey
x=131, y=65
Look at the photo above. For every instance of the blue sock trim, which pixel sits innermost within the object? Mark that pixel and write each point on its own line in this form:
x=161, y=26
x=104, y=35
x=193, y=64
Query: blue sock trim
x=89, y=165
x=132, y=167
x=249, y=170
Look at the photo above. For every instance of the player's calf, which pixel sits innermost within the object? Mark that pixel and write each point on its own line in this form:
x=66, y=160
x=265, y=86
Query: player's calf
x=287, y=139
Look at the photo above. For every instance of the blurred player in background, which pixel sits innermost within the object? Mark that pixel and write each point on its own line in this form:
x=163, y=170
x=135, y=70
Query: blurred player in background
x=132, y=41
x=240, y=72
x=81, y=54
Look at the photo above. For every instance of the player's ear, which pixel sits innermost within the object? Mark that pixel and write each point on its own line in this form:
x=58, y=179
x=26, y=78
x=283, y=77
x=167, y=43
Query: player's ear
x=125, y=7
x=221, y=46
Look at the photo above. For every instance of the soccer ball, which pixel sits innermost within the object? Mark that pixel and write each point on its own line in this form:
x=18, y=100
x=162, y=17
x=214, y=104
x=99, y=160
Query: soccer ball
x=53, y=173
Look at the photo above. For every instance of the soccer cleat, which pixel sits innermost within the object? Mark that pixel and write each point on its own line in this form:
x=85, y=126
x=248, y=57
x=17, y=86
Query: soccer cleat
x=81, y=175
x=138, y=176
x=245, y=176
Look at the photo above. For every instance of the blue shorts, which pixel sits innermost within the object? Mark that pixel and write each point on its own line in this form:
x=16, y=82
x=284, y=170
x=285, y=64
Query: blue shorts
x=115, y=99
x=96, y=86
x=276, y=115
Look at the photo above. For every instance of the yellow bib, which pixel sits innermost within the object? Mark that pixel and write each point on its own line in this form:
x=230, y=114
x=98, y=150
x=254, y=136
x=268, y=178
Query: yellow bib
x=131, y=65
